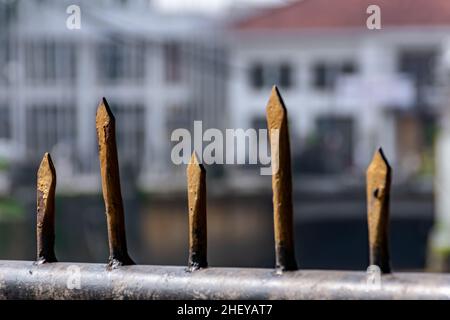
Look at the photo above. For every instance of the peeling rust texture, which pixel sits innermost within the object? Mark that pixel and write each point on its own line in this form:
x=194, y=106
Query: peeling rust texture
x=378, y=189
x=196, y=176
x=109, y=167
x=281, y=182
x=45, y=228
x=26, y=280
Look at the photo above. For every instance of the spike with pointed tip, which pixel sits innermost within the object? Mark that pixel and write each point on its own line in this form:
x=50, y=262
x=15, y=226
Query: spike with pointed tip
x=45, y=230
x=196, y=176
x=277, y=123
x=378, y=189
x=109, y=167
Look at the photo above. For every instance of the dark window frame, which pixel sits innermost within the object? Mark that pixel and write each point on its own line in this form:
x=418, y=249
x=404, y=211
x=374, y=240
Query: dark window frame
x=265, y=75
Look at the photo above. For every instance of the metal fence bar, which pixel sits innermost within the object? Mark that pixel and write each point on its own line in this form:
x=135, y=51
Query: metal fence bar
x=121, y=279
x=26, y=280
x=196, y=179
x=109, y=168
x=277, y=124
x=378, y=191
x=45, y=224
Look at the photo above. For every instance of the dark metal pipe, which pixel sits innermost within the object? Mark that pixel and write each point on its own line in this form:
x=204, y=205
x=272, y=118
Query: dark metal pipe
x=27, y=280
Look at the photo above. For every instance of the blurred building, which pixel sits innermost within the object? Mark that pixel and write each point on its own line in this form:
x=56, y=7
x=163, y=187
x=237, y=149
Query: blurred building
x=158, y=72
x=348, y=89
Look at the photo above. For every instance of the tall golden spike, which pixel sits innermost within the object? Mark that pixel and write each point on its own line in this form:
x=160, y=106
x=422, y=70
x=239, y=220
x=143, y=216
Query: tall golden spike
x=45, y=229
x=196, y=179
x=378, y=189
x=109, y=167
x=277, y=123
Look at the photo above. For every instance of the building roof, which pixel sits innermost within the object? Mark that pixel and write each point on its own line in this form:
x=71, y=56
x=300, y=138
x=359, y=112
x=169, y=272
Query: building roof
x=98, y=18
x=326, y=14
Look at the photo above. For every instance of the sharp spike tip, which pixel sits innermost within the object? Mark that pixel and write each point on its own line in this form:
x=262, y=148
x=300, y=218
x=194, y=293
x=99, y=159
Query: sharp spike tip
x=195, y=163
x=104, y=112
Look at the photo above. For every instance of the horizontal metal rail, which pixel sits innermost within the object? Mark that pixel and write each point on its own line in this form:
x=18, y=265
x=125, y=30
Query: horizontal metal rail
x=28, y=280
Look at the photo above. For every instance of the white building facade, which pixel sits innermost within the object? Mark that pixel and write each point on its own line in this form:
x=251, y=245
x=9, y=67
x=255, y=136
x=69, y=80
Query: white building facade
x=157, y=72
x=350, y=88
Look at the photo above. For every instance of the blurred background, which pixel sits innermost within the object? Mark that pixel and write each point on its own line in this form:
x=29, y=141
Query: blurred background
x=164, y=64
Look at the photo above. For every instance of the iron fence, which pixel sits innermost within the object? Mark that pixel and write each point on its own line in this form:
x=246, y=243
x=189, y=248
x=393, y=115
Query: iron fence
x=121, y=278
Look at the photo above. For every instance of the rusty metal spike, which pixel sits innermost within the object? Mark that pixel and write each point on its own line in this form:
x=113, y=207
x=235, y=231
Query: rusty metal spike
x=109, y=167
x=196, y=179
x=281, y=182
x=378, y=189
x=45, y=229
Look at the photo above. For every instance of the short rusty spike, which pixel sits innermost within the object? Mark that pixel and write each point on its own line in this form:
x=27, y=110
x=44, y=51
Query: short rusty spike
x=109, y=167
x=45, y=230
x=281, y=182
x=378, y=189
x=196, y=179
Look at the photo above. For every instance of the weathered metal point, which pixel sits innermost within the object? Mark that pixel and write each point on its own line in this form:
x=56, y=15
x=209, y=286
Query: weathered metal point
x=112, y=196
x=45, y=220
x=196, y=179
x=277, y=124
x=379, y=163
x=378, y=191
x=46, y=175
x=194, y=164
x=104, y=111
x=276, y=110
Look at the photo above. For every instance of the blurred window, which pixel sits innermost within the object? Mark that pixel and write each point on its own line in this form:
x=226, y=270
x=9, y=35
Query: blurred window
x=172, y=62
x=121, y=61
x=49, y=125
x=271, y=75
x=5, y=122
x=265, y=76
x=179, y=117
x=50, y=61
x=4, y=59
x=256, y=76
x=8, y=13
x=349, y=68
x=326, y=74
x=130, y=134
x=420, y=66
x=335, y=135
x=285, y=76
x=320, y=76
